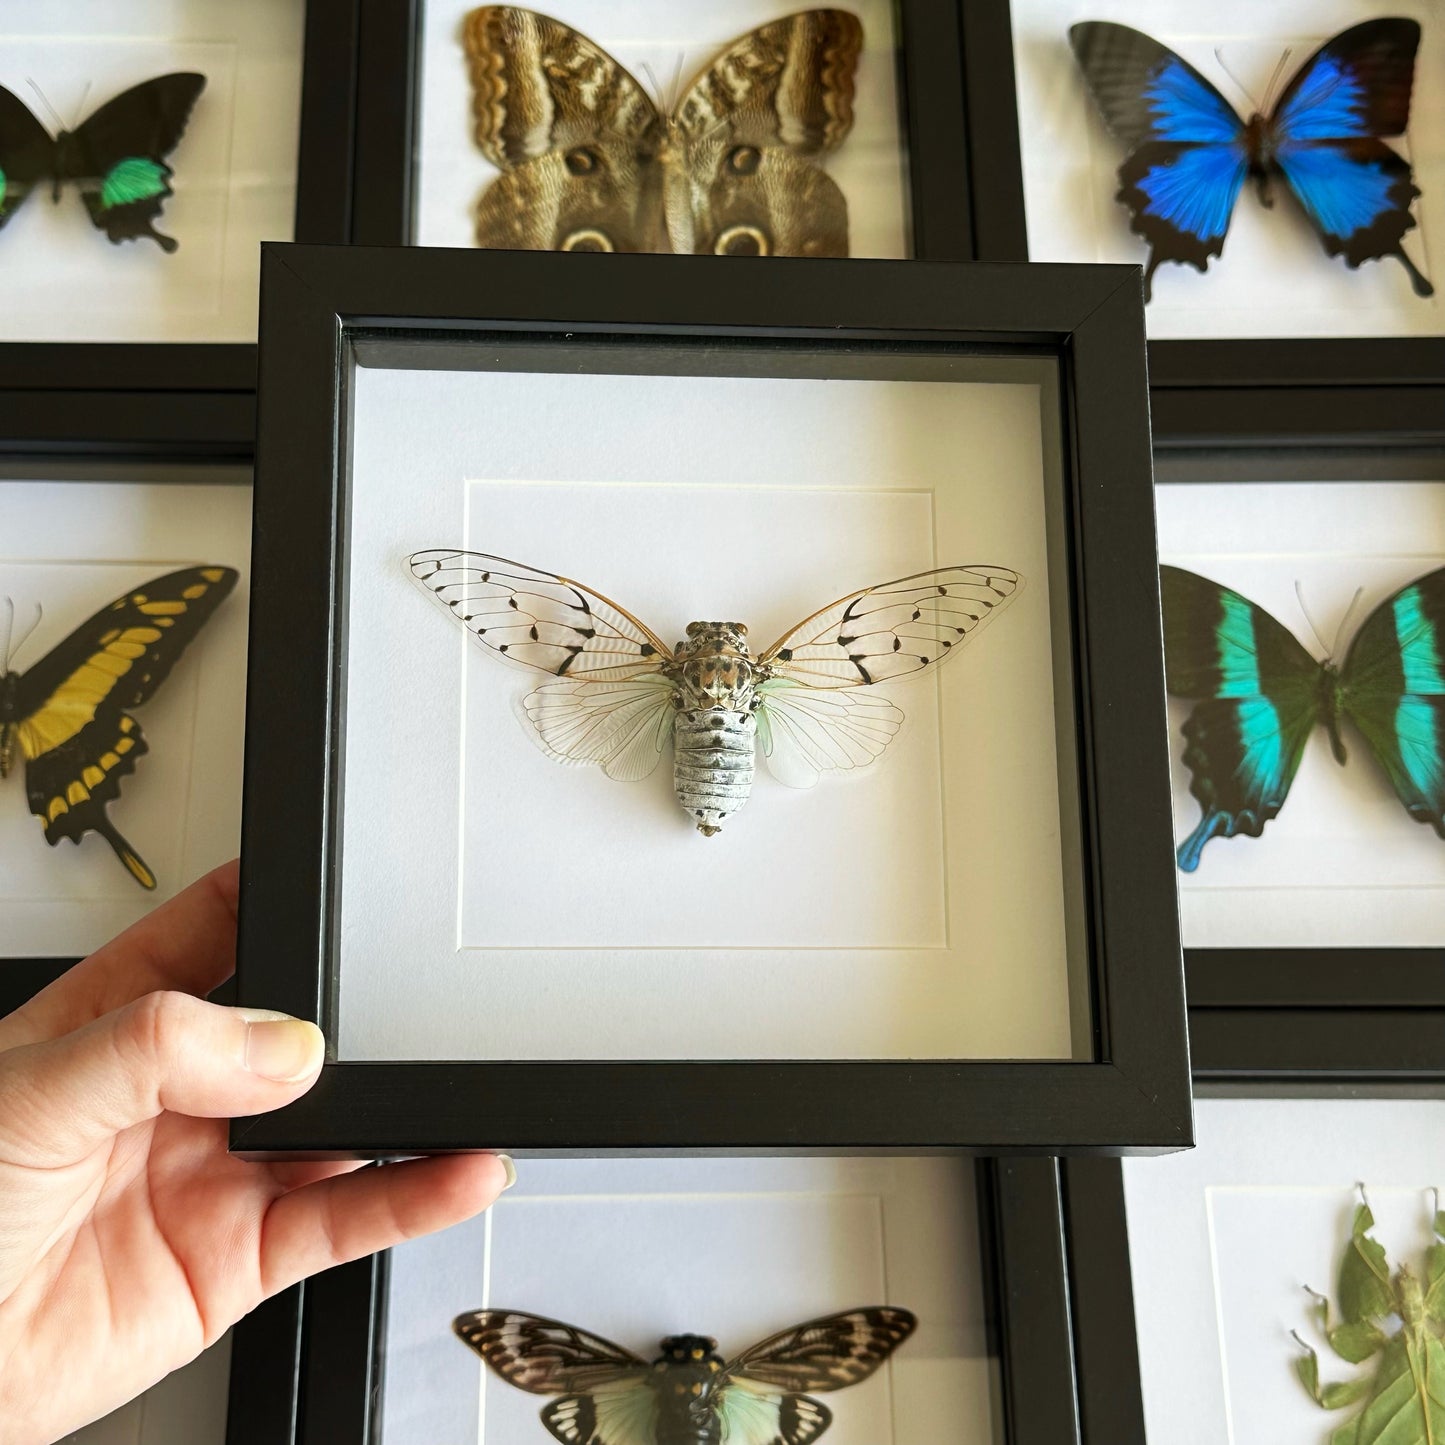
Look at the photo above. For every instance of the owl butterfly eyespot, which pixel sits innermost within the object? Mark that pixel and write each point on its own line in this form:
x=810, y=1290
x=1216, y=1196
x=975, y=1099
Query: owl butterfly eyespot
x=735, y=168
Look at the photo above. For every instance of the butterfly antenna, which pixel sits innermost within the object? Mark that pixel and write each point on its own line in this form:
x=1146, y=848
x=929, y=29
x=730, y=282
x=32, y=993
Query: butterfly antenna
x=652, y=80
x=1299, y=593
x=45, y=101
x=11, y=653
x=1239, y=84
x=1274, y=79
x=1345, y=620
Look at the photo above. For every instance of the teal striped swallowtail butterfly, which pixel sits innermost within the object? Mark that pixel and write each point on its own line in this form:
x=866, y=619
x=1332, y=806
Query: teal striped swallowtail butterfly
x=67, y=715
x=1259, y=695
x=116, y=156
x=688, y=1395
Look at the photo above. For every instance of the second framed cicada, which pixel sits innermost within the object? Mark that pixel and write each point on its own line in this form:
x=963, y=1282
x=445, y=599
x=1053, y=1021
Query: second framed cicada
x=619, y=694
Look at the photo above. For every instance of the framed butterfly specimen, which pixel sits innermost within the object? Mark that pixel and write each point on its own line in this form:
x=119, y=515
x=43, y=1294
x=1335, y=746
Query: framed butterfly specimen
x=116, y=156
x=67, y=718
x=622, y=694
x=689, y=1394
x=1190, y=153
x=1259, y=695
x=589, y=162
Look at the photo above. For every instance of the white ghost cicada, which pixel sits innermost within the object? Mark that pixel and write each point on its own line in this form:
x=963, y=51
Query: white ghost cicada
x=620, y=693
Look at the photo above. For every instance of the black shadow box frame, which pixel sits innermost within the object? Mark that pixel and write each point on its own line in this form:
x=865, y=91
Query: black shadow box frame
x=1309, y=1013
x=1024, y=1238
x=931, y=86
x=1247, y=387
x=323, y=308
x=191, y=399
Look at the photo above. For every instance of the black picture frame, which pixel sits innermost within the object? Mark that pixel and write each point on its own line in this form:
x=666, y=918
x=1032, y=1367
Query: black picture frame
x=190, y=399
x=1200, y=388
x=110, y=460
x=932, y=123
x=321, y=302
x=1310, y=1013
x=1032, y=1331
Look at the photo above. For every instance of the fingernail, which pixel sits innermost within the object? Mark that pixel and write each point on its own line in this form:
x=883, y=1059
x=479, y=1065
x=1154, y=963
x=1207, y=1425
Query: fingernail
x=505, y=1160
x=282, y=1048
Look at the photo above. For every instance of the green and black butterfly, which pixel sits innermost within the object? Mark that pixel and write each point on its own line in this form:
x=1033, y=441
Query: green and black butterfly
x=116, y=156
x=689, y=1395
x=67, y=714
x=1261, y=695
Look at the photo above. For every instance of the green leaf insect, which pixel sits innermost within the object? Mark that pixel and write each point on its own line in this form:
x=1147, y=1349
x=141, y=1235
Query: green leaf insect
x=1398, y=1322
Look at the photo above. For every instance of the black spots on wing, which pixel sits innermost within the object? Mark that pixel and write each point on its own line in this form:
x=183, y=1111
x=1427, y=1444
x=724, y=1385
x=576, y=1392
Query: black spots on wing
x=916, y=614
x=486, y=576
x=925, y=660
x=785, y=654
x=536, y=636
x=646, y=650
x=845, y=641
x=502, y=646
x=943, y=591
x=586, y=632
x=512, y=603
x=857, y=660
x=455, y=602
x=948, y=641
x=897, y=644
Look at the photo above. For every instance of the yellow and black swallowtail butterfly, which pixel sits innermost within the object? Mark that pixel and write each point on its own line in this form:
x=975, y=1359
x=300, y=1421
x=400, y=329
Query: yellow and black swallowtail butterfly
x=67, y=715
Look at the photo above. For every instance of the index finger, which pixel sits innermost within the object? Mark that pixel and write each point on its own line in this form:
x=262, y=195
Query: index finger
x=187, y=944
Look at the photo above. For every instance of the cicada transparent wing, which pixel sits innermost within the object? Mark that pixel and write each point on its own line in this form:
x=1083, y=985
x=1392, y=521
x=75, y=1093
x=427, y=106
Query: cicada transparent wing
x=622, y=727
x=811, y=719
x=538, y=618
x=805, y=731
x=610, y=707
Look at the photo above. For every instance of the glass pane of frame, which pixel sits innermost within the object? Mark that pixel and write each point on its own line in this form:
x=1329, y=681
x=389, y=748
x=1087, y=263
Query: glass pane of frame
x=227, y=152
x=1274, y=277
x=1226, y=1239
x=72, y=546
x=531, y=907
x=748, y=129
x=1343, y=864
x=735, y=1249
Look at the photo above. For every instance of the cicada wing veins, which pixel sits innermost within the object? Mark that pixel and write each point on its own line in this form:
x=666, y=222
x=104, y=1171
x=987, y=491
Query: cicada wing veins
x=892, y=629
x=539, y=619
x=806, y=731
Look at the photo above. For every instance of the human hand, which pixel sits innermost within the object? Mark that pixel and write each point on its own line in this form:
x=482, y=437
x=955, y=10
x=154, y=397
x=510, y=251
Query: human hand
x=129, y=1238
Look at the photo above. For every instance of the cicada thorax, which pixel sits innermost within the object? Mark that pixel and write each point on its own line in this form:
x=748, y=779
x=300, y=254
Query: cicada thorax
x=685, y=1373
x=715, y=733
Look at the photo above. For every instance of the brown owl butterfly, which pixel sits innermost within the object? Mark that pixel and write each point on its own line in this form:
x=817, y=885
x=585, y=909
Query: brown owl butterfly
x=590, y=163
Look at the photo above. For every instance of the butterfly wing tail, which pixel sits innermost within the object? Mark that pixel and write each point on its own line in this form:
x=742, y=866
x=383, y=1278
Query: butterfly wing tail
x=69, y=787
x=1357, y=195
x=1242, y=754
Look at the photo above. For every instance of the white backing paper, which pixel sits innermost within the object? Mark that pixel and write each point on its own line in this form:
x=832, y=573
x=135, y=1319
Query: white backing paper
x=496, y=905
x=73, y=547
x=1343, y=864
x=670, y=39
x=1224, y=1238
x=1274, y=277
x=637, y=1249
x=235, y=167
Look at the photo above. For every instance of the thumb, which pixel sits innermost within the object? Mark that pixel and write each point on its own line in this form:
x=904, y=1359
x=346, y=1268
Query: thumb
x=165, y=1051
